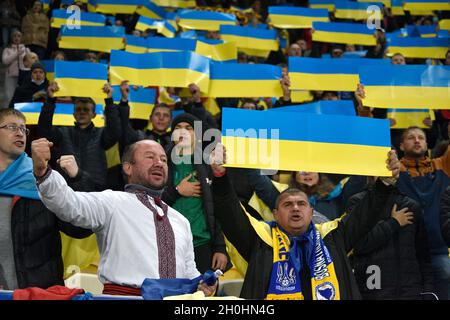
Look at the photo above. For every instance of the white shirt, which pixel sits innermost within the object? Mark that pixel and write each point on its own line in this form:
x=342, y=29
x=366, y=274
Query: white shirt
x=125, y=230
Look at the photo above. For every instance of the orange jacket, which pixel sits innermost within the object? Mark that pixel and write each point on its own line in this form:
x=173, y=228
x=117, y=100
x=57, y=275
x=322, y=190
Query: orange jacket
x=421, y=167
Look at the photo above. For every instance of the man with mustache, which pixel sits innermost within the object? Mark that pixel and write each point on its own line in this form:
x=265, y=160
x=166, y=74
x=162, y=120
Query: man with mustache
x=138, y=235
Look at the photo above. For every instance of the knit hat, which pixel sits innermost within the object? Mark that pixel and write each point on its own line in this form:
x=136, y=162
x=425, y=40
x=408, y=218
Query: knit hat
x=184, y=117
x=37, y=65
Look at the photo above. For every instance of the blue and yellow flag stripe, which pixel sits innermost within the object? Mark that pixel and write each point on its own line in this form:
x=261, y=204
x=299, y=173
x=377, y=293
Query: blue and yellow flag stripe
x=322, y=4
x=114, y=6
x=103, y=39
x=300, y=96
x=80, y=79
x=296, y=17
x=205, y=20
x=355, y=10
x=251, y=38
x=338, y=107
x=427, y=31
x=63, y=115
x=158, y=44
x=403, y=86
x=182, y=4
x=49, y=66
x=141, y=101
x=136, y=44
x=61, y=17
x=340, y=32
x=405, y=118
x=327, y=74
x=245, y=80
x=386, y=3
x=151, y=10
x=221, y=51
x=413, y=47
x=431, y=5
x=265, y=140
x=161, y=26
x=171, y=69
x=397, y=8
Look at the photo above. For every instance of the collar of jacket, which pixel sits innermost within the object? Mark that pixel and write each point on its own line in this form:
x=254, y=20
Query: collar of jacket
x=89, y=127
x=131, y=187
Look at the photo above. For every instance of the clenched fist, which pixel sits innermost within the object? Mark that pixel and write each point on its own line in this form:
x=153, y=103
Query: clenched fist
x=69, y=165
x=40, y=152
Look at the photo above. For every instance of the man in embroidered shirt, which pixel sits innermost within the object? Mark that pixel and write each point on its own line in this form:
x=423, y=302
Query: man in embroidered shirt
x=138, y=235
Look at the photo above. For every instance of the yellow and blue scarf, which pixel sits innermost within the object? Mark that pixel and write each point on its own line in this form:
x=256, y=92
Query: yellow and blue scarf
x=287, y=265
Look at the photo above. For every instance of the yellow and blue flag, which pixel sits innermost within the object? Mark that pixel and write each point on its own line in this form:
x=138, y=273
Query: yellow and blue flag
x=49, y=66
x=61, y=17
x=141, y=101
x=161, y=26
x=170, y=69
x=327, y=74
x=429, y=31
x=136, y=44
x=205, y=20
x=103, y=39
x=158, y=44
x=403, y=86
x=182, y=4
x=322, y=4
x=114, y=6
x=397, y=8
x=429, y=5
x=296, y=17
x=414, y=47
x=355, y=10
x=266, y=140
x=151, y=10
x=63, y=115
x=405, y=118
x=386, y=3
x=250, y=38
x=444, y=24
x=244, y=80
x=300, y=96
x=337, y=107
x=340, y=32
x=80, y=79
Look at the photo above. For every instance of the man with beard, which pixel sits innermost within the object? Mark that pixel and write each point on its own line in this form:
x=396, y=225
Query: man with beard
x=138, y=235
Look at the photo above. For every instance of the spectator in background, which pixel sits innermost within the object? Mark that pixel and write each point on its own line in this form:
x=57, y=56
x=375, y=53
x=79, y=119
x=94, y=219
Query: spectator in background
x=304, y=47
x=12, y=58
x=33, y=89
x=35, y=28
x=29, y=59
x=378, y=50
x=91, y=57
x=58, y=55
x=9, y=22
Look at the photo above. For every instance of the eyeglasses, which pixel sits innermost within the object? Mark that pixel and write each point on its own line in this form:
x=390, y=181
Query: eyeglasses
x=13, y=128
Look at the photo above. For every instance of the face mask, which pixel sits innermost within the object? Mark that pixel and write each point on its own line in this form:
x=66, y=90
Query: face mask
x=37, y=82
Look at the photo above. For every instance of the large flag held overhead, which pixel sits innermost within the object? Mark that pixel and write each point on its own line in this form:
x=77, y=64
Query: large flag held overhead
x=296, y=17
x=405, y=118
x=161, y=26
x=403, y=86
x=80, y=79
x=49, y=66
x=141, y=101
x=413, y=47
x=114, y=6
x=63, y=115
x=103, y=39
x=150, y=10
x=205, y=20
x=245, y=80
x=182, y=4
x=327, y=74
x=322, y=4
x=136, y=44
x=338, y=107
x=418, y=5
x=64, y=17
x=305, y=142
x=357, y=10
x=250, y=38
x=170, y=69
x=340, y=32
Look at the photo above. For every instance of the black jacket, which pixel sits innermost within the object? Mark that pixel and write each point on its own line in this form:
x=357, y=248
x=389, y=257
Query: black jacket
x=401, y=253
x=87, y=145
x=340, y=240
x=37, y=244
x=445, y=215
x=25, y=92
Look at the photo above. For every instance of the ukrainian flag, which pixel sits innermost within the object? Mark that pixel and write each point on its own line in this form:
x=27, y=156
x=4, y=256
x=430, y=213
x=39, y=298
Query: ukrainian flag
x=63, y=115
x=444, y=24
x=61, y=17
x=405, y=118
x=386, y=3
x=250, y=38
x=245, y=80
x=103, y=39
x=158, y=44
x=327, y=74
x=339, y=32
x=114, y=6
x=296, y=17
x=161, y=26
x=428, y=5
x=298, y=141
x=397, y=8
x=355, y=10
x=171, y=69
x=205, y=20
x=427, y=31
x=412, y=47
x=322, y=4
x=183, y=4
x=402, y=86
x=136, y=44
x=151, y=10
x=300, y=96
x=337, y=107
x=80, y=79
x=220, y=51
x=49, y=66
x=141, y=101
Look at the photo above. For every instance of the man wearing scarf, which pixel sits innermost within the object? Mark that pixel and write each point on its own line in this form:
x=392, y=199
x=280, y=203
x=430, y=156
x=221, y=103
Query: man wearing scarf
x=139, y=236
x=291, y=257
x=30, y=243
